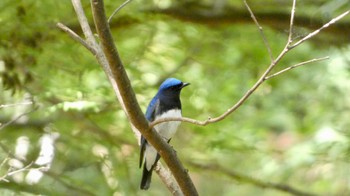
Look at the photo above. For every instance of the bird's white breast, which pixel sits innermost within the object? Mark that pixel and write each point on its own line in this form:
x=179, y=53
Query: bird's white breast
x=168, y=129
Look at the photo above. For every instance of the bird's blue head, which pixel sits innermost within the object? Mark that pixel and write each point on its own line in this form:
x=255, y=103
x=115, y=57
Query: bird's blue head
x=168, y=97
x=172, y=84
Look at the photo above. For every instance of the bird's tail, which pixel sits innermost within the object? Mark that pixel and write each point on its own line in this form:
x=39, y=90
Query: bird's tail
x=146, y=178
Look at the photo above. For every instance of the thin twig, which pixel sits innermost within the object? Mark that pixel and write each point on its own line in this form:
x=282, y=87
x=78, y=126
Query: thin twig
x=9, y=153
x=261, y=31
x=83, y=21
x=296, y=65
x=310, y=35
x=4, y=161
x=76, y=37
x=16, y=118
x=8, y=174
x=117, y=10
x=15, y=104
x=291, y=24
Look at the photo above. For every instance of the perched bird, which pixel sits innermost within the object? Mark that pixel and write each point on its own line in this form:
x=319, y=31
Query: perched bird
x=166, y=103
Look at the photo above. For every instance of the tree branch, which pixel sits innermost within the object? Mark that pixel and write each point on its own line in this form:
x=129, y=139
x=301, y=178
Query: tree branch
x=118, y=9
x=76, y=37
x=101, y=58
x=291, y=24
x=260, y=30
x=16, y=118
x=108, y=57
x=167, y=179
x=288, y=47
x=119, y=77
x=296, y=65
x=84, y=24
x=310, y=35
x=10, y=173
x=15, y=104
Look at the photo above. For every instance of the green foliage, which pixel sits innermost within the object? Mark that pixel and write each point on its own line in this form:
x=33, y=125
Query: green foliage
x=293, y=130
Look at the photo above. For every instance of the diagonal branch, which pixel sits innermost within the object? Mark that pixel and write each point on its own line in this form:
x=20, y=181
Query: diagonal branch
x=118, y=9
x=76, y=37
x=267, y=45
x=120, y=81
x=167, y=179
x=295, y=66
x=83, y=21
x=310, y=35
x=291, y=24
x=11, y=173
x=16, y=118
x=102, y=59
x=15, y=104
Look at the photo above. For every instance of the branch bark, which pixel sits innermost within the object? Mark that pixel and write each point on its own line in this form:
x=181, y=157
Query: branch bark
x=108, y=57
x=118, y=75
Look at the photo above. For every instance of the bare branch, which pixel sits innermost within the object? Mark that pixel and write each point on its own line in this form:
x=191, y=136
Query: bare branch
x=4, y=162
x=118, y=9
x=16, y=118
x=119, y=79
x=8, y=174
x=76, y=37
x=101, y=58
x=263, y=77
x=260, y=30
x=84, y=23
x=310, y=35
x=9, y=153
x=108, y=57
x=15, y=104
x=296, y=65
x=167, y=179
x=291, y=24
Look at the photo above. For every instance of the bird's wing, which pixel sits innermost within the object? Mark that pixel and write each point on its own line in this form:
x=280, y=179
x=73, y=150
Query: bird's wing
x=151, y=109
x=150, y=115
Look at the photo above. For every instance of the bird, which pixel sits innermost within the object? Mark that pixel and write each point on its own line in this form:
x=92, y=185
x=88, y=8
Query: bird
x=165, y=104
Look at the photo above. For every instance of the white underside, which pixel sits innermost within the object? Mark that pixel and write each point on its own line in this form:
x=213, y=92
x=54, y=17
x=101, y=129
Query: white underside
x=167, y=130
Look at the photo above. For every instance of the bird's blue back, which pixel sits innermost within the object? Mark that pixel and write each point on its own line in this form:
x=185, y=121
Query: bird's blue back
x=151, y=108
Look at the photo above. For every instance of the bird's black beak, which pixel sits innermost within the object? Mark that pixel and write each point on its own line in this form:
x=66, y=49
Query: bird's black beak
x=185, y=84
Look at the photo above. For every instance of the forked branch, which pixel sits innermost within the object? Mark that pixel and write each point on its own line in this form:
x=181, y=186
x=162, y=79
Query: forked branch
x=265, y=76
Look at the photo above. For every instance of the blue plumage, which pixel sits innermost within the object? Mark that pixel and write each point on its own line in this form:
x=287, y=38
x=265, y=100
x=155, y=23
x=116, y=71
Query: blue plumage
x=166, y=103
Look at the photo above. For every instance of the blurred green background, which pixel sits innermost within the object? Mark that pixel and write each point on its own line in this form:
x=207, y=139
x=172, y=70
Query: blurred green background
x=294, y=130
